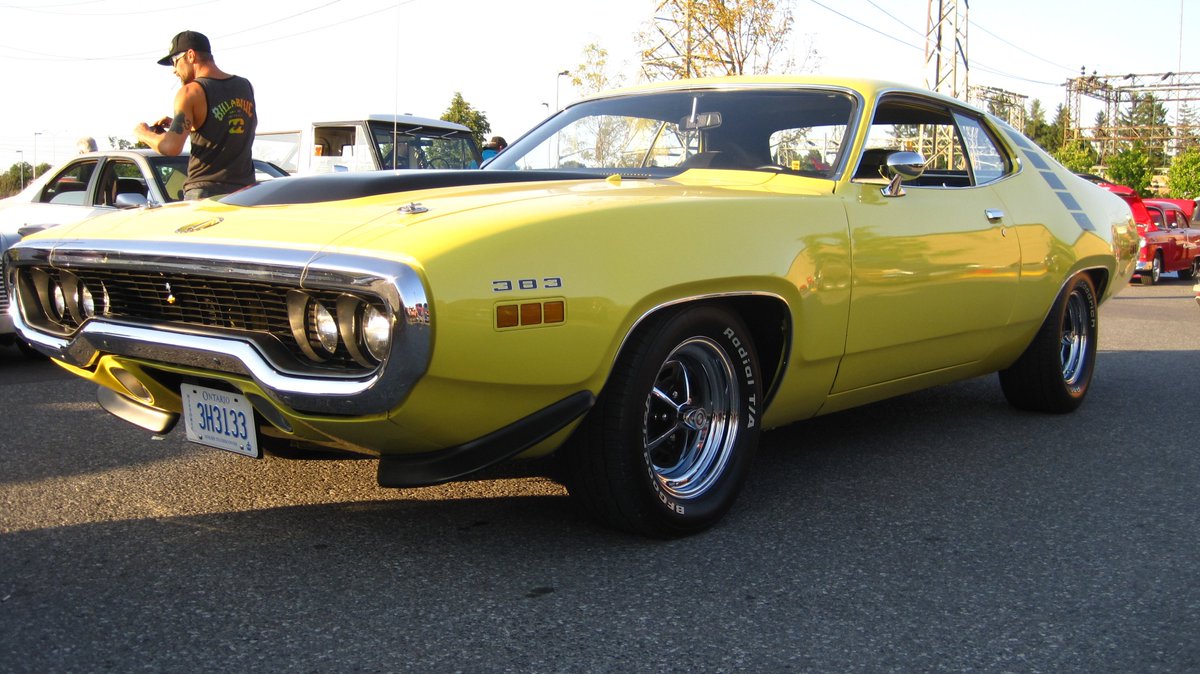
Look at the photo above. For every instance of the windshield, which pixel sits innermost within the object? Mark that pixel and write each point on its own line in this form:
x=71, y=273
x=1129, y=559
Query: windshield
x=404, y=147
x=799, y=131
x=171, y=172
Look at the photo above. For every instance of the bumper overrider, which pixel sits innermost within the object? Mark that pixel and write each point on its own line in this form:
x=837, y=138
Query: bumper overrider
x=234, y=313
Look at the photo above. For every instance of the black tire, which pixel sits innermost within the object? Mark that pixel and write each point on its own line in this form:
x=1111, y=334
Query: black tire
x=1055, y=371
x=1192, y=271
x=669, y=443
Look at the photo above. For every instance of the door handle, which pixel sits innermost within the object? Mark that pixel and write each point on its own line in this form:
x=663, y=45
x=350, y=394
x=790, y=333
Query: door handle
x=993, y=214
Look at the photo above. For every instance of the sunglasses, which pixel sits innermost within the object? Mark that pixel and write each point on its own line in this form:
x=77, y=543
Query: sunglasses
x=175, y=59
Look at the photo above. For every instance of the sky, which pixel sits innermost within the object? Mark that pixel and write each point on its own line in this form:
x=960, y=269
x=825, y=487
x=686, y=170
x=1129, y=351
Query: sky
x=72, y=68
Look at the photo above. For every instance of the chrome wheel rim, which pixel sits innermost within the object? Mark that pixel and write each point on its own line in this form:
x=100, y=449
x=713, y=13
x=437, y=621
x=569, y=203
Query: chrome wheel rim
x=1076, y=333
x=691, y=420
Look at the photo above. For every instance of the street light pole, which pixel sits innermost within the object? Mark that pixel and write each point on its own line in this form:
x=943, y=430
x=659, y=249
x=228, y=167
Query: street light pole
x=565, y=73
x=35, y=135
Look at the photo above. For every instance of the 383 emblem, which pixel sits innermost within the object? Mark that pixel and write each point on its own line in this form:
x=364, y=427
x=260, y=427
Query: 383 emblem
x=545, y=283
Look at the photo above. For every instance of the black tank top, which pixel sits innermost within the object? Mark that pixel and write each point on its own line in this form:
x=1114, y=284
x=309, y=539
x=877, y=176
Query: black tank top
x=221, y=146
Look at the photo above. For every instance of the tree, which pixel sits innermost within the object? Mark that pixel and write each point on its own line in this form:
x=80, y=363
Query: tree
x=1049, y=137
x=1185, y=126
x=1184, y=174
x=1146, y=121
x=123, y=144
x=1035, y=122
x=461, y=112
x=1079, y=156
x=599, y=140
x=15, y=179
x=701, y=38
x=1133, y=169
x=1057, y=131
x=594, y=75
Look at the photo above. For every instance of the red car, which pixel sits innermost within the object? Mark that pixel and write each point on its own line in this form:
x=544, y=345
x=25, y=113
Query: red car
x=1177, y=248
x=1167, y=241
x=1189, y=209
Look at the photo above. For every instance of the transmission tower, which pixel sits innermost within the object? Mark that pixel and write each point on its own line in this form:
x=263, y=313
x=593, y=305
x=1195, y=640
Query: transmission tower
x=946, y=65
x=1118, y=91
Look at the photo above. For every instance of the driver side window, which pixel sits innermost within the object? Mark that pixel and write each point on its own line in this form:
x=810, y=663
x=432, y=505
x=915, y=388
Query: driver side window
x=959, y=150
x=69, y=187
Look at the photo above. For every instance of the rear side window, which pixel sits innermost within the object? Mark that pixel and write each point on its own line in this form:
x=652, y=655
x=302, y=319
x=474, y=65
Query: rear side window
x=986, y=161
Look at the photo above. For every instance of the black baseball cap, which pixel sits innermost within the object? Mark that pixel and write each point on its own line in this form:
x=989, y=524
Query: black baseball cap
x=188, y=39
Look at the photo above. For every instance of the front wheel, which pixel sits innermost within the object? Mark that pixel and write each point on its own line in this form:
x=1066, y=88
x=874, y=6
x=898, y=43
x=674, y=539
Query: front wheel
x=1055, y=371
x=670, y=441
x=1151, y=277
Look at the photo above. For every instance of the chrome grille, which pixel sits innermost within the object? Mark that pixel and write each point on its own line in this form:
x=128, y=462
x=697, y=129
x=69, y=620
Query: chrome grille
x=219, y=303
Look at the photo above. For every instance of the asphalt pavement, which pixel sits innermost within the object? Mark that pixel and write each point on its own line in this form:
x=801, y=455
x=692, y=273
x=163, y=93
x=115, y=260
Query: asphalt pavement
x=941, y=531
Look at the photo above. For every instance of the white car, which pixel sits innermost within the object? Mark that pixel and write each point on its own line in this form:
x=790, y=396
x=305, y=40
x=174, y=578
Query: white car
x=89, y=185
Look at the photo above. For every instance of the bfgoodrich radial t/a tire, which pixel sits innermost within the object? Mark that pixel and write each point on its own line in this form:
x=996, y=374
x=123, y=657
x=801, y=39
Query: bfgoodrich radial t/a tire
x=669, y=443
x=1055, y=371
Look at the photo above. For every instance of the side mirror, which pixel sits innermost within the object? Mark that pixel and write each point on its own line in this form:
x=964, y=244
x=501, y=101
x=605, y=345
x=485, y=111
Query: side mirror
x=129, y=200
x=901, y=167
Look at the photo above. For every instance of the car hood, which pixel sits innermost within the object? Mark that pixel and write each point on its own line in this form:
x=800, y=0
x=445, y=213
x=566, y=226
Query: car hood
x=408, y=222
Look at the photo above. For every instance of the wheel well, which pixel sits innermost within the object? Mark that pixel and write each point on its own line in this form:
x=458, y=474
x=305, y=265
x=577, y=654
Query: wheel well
x=1099, y=280
x=769, y=322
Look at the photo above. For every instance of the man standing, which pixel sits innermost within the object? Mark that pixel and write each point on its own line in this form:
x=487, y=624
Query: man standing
x=217, y=109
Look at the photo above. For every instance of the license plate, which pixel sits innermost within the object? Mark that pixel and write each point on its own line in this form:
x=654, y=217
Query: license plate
x=220, y=419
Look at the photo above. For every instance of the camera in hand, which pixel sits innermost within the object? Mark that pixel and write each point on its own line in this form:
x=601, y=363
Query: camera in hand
x=159, y=128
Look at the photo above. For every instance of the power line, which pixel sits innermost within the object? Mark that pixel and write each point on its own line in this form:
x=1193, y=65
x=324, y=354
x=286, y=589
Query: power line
x=40, y=56
x=892, y=37
x=1058, y=65
x=914, y=30
x=973, y=64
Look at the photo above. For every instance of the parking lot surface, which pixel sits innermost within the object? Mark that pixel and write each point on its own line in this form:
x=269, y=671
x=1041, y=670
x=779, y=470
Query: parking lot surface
x=941, y=531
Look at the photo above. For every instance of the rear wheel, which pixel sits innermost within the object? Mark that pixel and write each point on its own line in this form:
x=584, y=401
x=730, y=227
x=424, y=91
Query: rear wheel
x=670, y=441
x=1055, y=371
x=1192, y=271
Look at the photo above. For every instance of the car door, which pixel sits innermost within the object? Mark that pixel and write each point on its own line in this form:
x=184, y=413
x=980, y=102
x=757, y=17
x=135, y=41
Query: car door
x=1189, y=239
x=67, y=197
x=935, y=271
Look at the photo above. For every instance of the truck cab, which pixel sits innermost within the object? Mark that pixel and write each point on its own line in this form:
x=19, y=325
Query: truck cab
x=374, y=143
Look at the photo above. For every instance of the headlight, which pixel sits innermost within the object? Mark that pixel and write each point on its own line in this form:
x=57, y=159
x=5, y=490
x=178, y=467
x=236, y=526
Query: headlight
x=58, y=300
x=324, y=327
x=87, y=303
x=331, y=328
x=366, y=329
x=376, y=330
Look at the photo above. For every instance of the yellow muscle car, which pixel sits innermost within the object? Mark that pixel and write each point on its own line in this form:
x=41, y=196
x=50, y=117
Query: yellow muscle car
x=640, y=284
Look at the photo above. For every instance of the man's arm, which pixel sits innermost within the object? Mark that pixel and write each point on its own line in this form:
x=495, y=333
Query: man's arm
x=171, y=141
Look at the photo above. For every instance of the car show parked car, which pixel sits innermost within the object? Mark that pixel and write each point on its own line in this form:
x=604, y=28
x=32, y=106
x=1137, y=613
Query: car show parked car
x=1166, y=243
x=1176, y=245
x=89, y=185
x=636, y=288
